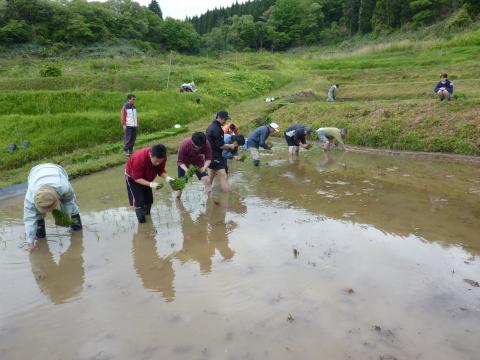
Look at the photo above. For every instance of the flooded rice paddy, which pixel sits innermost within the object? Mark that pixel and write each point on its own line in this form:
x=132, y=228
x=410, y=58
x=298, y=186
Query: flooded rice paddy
x=352, y=257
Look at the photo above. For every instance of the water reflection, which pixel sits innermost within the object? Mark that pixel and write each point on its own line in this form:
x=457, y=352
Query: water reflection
x=63, y=281
x=378, y=192
x=208, y=232
x=156, y=272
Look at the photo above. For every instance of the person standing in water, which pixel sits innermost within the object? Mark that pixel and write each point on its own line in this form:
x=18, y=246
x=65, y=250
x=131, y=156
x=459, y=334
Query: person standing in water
x=331, y=92
x=215, y=137
x=197, y=151
x=329, y=135
x=48, y=189
x=257, y=138
x=129, y=124
x=140, y=172
x=296, y=137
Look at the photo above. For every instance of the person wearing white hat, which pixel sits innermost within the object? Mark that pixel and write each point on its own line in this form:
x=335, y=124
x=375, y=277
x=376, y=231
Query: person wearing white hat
x=48, y=189
x=257, y=138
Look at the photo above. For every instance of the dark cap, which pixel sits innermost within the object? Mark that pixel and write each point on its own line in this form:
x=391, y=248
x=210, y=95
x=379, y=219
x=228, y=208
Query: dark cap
x=223, y=115
x=131, y=96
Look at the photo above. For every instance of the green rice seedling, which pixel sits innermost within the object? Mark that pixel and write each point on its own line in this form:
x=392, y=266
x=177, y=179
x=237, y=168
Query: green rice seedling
x=192, y=169
x=178, y=184
x=61, y=218
x=243, y=157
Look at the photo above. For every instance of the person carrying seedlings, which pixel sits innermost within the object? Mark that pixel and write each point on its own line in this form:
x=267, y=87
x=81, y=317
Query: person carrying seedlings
x=296, y=137
x=257, y=138
x=129, y=124
x=329, y=135
x=196, y=151
x=444, y=88
x=231, y=128
x=48, y=190
x=140, y=172
x=331, y=92
x=233, y=154
x=215, y=134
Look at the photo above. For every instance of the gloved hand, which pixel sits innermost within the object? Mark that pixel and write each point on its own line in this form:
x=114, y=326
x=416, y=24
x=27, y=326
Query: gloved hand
x=169, y=179
x=154, y=185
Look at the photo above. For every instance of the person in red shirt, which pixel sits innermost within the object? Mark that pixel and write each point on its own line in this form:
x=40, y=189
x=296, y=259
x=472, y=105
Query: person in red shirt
x=195, y=151
x=141, y=169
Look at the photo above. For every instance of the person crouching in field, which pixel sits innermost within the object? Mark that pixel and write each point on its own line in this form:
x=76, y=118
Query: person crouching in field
x=444, y=88
x=215, y=138
x=329, y=135
x=141, y=169
x=129, y=124
x=231, y=128
x=195, y=151
x=331, y=92
x=296, y=137
x=48, y=189
x=238, y=140
x=257, y=138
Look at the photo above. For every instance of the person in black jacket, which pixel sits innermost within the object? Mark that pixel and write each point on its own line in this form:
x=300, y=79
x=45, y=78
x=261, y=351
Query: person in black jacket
x=218, y=166
x=296, y=137
x=444, y=88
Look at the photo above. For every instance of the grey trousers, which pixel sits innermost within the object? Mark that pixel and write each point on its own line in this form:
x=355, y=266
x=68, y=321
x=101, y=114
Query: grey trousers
x=130, y=137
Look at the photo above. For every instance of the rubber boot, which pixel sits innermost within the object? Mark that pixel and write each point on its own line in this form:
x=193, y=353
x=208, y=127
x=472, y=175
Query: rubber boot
x=140, y=212
x=147, y=208
x=41, y=233
x=76, y=223
x=256, y=162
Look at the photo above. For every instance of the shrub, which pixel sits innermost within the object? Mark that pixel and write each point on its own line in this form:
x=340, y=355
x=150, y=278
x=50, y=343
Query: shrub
x=50, y=70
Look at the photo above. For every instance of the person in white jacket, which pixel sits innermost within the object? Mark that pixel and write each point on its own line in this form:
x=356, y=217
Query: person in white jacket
x=48, y=189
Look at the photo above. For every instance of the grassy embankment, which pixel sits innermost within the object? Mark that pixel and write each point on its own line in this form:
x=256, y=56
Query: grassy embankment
x=386, y=95
x=385, y=99
x=74, y=120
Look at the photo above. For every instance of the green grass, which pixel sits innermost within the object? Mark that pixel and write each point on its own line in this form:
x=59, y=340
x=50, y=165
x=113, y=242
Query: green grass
x=386, y=98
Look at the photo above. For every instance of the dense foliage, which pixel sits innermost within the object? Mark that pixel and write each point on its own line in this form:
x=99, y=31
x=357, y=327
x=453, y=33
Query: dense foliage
x=289, y=23
x=78, y=22
x=257, y=24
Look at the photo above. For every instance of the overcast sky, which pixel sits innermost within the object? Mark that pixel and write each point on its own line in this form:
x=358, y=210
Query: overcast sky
x=179, y=9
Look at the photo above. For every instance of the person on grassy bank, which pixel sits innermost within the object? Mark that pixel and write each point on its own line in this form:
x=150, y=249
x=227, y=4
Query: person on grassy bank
x=236, y=140
x=129, y=124
x=444, y=88
x=257, y=138
x=329, y=135
x=141, y=169
x=215, y=137
x=195, y=150
x=48, y=189
x=331, y=92
x=296, y=137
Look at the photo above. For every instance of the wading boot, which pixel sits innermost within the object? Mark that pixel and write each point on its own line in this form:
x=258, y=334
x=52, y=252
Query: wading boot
x=147, y=208
x=41, y=233
x=76, y=223
x=256, y=162
x=140, y=212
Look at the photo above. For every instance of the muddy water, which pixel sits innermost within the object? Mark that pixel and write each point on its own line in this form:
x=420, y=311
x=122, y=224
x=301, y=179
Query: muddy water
x=351, y=257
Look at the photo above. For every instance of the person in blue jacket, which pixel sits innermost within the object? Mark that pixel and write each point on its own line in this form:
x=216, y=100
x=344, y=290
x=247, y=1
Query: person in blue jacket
x=232, y=139
x=257, y=138
x=444, y=88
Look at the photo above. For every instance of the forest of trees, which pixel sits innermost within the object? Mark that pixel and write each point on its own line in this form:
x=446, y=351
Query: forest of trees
x=258, y=24
x=304, y=22
x=78, y=22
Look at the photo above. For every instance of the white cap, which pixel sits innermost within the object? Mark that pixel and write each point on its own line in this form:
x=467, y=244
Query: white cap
x=275, y=126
